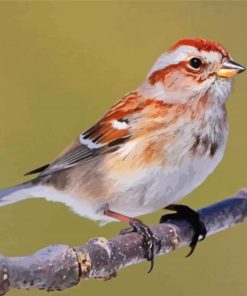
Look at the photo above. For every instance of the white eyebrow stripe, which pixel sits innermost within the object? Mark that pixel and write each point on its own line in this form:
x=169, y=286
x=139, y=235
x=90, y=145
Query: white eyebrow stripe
x=89, y=143
x=172, y=57
x=119, y=125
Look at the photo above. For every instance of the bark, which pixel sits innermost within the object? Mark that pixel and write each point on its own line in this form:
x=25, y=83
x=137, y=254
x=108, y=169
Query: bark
x=59, y=267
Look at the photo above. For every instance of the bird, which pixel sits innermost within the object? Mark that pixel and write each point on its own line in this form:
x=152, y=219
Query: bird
x=152, y=148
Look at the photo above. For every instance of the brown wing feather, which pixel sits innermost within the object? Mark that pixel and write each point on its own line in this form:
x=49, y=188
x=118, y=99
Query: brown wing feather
x=103, y=137
x=108, y=138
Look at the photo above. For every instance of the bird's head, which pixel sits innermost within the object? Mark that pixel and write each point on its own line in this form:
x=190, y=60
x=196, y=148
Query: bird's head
x=189, y=69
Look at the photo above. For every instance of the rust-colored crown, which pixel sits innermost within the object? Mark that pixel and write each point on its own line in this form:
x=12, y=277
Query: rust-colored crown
x=201, y=44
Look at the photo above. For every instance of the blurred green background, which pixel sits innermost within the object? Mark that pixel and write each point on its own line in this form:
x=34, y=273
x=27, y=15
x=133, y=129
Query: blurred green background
x=62, y=64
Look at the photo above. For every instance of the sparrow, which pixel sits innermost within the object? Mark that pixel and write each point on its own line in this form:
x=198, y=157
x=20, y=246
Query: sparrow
x=151, y=149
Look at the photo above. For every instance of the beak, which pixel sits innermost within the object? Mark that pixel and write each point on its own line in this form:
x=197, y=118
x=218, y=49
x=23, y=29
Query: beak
x=229, y=69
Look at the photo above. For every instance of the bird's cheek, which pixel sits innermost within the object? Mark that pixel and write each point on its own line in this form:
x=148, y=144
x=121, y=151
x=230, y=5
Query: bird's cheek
x=175, y=81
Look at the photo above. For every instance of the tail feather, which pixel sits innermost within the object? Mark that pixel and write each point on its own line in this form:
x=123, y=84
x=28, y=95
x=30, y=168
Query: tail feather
x=15, y=193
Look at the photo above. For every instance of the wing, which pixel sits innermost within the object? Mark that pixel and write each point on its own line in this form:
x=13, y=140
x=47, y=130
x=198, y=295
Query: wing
x=105, y=137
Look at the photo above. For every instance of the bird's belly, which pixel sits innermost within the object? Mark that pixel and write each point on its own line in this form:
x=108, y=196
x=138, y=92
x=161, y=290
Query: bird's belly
x=140, y=191
x=149, y=190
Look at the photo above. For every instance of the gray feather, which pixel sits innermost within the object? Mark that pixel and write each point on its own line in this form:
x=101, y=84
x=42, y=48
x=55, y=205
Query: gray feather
x=15, y=193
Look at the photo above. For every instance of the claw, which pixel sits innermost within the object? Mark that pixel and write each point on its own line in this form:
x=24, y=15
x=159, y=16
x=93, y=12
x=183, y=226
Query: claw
x=191, y=216
x=152, y=242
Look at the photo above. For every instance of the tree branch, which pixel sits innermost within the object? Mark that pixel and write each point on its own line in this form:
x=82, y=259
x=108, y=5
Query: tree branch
x=59, y=267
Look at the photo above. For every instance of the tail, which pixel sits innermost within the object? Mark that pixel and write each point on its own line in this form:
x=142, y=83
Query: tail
x=16, y=193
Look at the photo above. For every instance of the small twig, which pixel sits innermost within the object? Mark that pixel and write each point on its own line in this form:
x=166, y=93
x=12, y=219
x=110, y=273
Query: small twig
x=60, y=266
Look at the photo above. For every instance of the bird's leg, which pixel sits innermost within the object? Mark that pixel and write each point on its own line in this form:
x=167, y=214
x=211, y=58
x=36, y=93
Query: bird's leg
x=152, y=242
x=186, y=213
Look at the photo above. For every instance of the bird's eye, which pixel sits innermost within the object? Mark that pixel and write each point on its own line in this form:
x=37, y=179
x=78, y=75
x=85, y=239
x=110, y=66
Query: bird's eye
x=195, y=63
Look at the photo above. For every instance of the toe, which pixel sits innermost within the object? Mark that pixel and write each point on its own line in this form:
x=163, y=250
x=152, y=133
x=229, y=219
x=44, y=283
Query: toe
x=152, y=242
x=192, y=217
x=126, y=230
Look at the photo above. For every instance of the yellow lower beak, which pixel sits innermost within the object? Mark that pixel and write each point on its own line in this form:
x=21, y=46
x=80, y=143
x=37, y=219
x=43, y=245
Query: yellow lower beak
x=229, y=69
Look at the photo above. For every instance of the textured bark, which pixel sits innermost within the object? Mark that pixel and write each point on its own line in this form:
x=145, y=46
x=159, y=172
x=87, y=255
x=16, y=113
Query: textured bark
x=59, y=267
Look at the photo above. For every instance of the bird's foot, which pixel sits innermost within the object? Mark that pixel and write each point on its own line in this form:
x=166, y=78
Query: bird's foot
x=191, y=216
x=152, y=242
